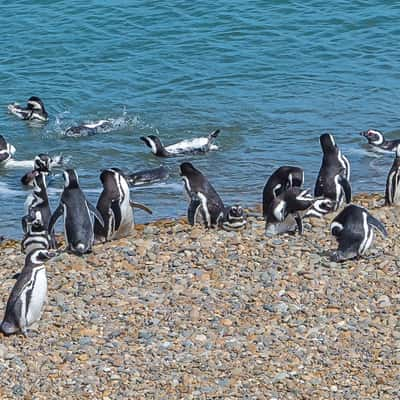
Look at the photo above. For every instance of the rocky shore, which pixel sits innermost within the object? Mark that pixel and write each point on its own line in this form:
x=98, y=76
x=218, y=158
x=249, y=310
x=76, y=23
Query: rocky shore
x=175, y=312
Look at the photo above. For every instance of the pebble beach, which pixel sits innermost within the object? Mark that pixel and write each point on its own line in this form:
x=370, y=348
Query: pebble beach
x=181, y=312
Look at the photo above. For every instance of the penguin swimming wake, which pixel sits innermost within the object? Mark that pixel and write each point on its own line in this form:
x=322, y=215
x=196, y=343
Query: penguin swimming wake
x=25, y=304
x=353, y=228
x=192, y=146
x=378, y=141
x=392, y=193
x=91, y=129
x=34, y=110
x=333, y=183
x=115, y=207
x=78, y=226
x=206, y=205
x=147, y=176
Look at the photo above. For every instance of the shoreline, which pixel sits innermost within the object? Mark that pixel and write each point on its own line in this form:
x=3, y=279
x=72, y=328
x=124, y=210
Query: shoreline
x=175, y=311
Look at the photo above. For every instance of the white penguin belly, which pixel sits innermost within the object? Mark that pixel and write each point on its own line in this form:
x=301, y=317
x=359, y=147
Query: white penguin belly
x=38, y=297
x=188, y=145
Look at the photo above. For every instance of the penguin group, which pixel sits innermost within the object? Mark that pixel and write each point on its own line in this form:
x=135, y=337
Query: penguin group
x=285, y=205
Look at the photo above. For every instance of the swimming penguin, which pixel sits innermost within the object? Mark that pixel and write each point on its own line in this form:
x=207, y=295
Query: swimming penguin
x=147, y=176
x=283, y=213
x=41, y=163
x=7, y=150
x=282, y=179
x=333, y=182
x=36, y=235
x=115, y=207
x=101, y=126
x=377, y=140
x=189, y=146
x=34, y=110
x=25, y=304
x=78, y=226
x=353, y=229
x=205, y=204
x=392, y=193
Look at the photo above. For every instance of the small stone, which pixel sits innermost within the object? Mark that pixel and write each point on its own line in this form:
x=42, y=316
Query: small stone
x=383, y=301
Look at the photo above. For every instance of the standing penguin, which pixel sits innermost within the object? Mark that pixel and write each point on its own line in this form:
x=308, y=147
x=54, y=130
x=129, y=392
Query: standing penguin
x=392, y=193
x=333, y=182
x=283, y=178
x=353, y=229
x=205, y=203
x=115, y=207
x=78, y=226
x=25, y=304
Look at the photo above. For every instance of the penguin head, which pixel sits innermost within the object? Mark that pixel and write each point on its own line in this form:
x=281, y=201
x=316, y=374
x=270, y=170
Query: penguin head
x=39, y=256
x=42, y=162
x=328, y=143
x=187, y=169
x=374, y=137
x=235, y=218
x=35, y=103
x=235, y=213
x=153, y=142
x=336, y=228
x=71, y=180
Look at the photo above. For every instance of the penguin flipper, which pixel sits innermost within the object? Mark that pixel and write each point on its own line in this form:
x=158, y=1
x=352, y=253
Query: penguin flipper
x=345, y=184
x=56, y=214
x=193, y=210
x=299, y=223
x=213, y=135
x=141, y=206
x=96, y=213
x=377, y=225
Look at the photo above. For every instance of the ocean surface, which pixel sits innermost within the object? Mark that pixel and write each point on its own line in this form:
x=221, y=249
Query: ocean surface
x=272, y=75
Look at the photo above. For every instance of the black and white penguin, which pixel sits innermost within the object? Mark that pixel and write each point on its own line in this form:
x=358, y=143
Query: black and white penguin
x=36, y=235
x=392, y=193
x=283, y=213
x=205, y=205
x=115, y=207
x=353, y=229
x=189, y=146
x=7, y=150
x=147, y=176
x=34, y=110
x=78, y=226
x=333, y=182
x=282, y=179
x=41, y=163
x=378, y=141
x=38, y=201
x=89, y=129
x=27, y=298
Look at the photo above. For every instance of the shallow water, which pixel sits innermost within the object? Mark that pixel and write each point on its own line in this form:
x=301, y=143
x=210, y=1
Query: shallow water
x=272, y=76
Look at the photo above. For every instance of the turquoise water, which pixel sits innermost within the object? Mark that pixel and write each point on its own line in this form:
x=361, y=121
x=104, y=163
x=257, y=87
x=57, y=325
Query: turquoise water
x=272, y=76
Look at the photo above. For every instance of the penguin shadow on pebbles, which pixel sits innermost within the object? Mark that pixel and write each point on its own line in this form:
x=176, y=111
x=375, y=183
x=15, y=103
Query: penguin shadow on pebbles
x=115, y=207
x=205, y=205
x=77, y=212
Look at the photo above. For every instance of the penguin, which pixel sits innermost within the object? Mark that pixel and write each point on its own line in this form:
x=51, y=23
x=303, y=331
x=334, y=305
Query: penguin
x=27, y=298
x=34, y=110
x=7, y=150
x=353, y=229
x=283, y=178
x=36, y=235
x=189, y=146
x=378, y=141
x=392, y=193
x=205, y=204
x=89, y=129
x=284, y=211
x=333, y=182
x=41, y=163
x=147, y=176
x=115, y=207
x=78, y=226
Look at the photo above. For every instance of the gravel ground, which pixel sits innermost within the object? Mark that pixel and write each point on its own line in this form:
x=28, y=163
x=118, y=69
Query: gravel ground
x=176, y=312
